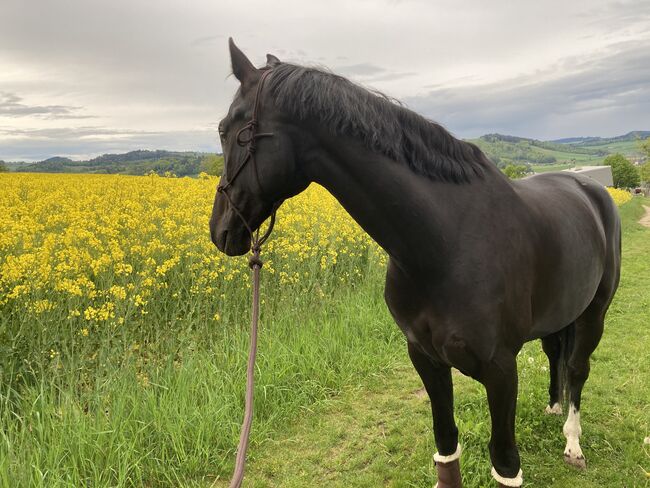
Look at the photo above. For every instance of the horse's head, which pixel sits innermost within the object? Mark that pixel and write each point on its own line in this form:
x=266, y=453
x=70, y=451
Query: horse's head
x=260, y=169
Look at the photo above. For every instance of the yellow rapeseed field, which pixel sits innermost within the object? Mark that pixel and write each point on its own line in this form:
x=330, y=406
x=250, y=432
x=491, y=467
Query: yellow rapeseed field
x=99, y=248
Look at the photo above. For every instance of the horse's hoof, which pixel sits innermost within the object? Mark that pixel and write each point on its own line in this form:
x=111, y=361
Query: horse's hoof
x=577, y=462
x=449, y=475
x=556, y=409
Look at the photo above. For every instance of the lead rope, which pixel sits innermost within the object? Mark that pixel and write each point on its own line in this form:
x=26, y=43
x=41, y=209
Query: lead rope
x=255, y=264
x=240, y=462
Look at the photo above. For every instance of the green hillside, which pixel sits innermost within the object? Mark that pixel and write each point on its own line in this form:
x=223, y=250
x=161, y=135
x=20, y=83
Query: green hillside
x=559, y=154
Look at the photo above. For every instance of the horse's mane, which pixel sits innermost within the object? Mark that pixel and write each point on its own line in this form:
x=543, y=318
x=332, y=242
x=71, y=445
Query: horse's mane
x=381, y=123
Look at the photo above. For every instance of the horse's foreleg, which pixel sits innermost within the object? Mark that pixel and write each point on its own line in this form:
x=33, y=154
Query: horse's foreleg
x=500, y=380
x=438, y=384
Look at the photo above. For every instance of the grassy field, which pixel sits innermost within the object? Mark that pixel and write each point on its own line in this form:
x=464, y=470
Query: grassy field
x=124, y=340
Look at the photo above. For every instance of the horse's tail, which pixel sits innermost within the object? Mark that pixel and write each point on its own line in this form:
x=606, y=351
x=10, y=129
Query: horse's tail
x=567, y=341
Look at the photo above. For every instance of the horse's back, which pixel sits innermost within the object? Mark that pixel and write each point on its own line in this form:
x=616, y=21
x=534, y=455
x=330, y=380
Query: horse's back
x=561, y=193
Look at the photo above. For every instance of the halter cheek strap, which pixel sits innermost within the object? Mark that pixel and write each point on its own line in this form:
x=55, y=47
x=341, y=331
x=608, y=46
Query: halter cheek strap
x=247, y=137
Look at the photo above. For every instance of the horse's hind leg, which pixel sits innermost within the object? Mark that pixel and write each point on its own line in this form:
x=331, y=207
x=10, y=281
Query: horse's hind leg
x=552, y=346
x=589, y=330
x=437, y=382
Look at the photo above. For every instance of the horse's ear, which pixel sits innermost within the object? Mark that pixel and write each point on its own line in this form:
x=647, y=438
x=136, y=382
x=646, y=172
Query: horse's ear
x=271, y=61
x=242, y=68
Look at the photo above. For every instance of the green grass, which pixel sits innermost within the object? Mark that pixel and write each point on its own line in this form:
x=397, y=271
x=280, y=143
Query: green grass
x=337, y=402
x=168, y=413
x=623, y=147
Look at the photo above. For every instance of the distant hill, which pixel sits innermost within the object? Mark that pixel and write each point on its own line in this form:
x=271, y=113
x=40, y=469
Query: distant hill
x=584, y=141
x=560, y=153
x=501, y=149
x=58, y=159
x=131, y=163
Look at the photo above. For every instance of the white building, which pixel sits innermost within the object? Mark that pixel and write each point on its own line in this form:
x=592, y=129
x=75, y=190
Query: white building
x=602, y=174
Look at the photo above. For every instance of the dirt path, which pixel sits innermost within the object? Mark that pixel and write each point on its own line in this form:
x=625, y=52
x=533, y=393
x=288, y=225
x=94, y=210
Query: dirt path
x=645, y=220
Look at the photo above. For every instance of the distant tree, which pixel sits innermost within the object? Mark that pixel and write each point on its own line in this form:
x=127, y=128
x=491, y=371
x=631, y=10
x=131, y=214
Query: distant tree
x=624, y=172
x=3, y=167
x=644, y=172
x=515, y=171
x=212, y=165
x=645, y=147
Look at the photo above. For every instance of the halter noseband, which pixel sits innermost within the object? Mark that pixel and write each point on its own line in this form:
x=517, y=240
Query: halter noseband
x=247, y=136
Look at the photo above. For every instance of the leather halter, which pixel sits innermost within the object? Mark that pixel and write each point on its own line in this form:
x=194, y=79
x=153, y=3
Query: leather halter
x=247, y=137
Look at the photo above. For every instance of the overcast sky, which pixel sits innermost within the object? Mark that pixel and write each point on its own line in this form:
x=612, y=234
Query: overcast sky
x=80, y=78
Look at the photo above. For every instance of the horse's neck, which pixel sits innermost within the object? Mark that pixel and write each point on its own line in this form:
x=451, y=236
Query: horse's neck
x=405, y=213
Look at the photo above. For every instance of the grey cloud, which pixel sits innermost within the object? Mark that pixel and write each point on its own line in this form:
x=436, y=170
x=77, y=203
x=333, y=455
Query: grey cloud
x=84, y=142
x=361, y=69
x=370, y=73
x=390, y=76
x=207, y=40
x=618, y=15
x=162, y=68
x=608, y=94
x=67, y=132
x=11, y=106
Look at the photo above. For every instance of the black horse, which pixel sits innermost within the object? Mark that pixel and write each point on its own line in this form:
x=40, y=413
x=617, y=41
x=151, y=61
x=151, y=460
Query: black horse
x=478, y=265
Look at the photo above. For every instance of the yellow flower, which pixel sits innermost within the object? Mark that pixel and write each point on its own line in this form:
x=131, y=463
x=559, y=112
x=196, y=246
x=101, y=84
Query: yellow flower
x=40, y=306
x=619, y=196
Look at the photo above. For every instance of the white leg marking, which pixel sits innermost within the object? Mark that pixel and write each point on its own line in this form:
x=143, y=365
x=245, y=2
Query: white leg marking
x=447, y=459
x=572, y=431
x=556, y=409
x=515, y=482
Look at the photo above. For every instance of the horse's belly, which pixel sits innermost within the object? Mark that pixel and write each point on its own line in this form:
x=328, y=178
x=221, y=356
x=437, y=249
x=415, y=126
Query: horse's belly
x=564, y=297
